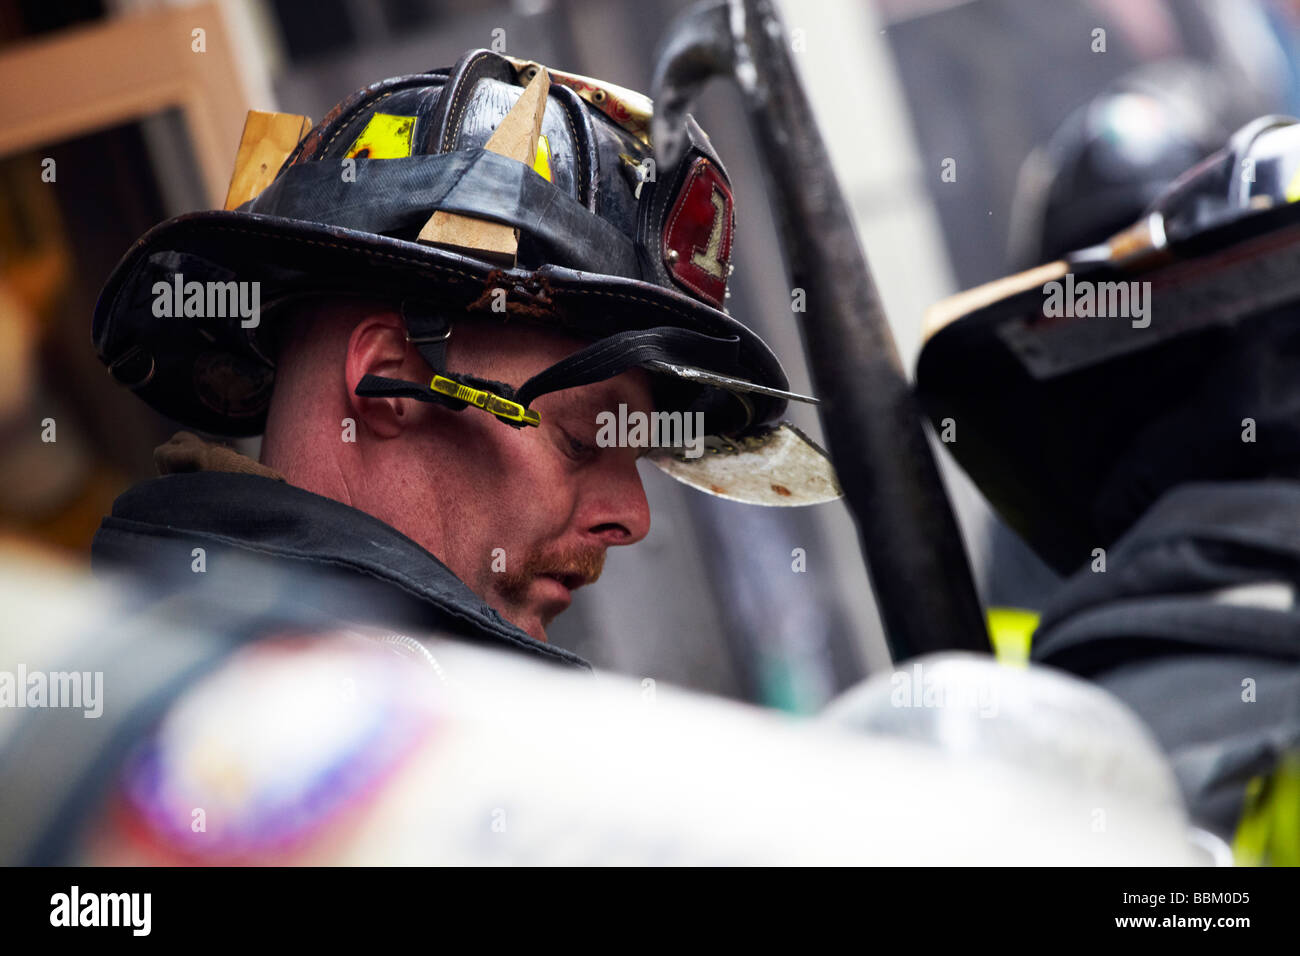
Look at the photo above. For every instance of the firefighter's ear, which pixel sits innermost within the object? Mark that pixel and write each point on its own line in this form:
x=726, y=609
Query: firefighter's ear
x=378, y=346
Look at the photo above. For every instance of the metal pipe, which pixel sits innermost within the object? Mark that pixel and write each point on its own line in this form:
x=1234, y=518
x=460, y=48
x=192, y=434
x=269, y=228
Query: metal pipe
x=908, y=533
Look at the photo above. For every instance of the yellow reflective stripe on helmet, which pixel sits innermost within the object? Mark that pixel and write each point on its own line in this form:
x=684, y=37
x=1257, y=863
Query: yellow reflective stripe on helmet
x=1268, y=833
x=385, y=137
x=1011, y=630
x=488, y=401
x=542, y=161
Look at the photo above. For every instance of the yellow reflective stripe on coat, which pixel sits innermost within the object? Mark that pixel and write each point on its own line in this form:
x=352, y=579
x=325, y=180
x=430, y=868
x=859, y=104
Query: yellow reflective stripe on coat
x=1268, y=833
x=1011, y=631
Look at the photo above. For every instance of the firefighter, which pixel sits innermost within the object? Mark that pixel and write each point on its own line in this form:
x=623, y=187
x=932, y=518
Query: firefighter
x=427, y=312
x=1156, y=458
x=1106, y=163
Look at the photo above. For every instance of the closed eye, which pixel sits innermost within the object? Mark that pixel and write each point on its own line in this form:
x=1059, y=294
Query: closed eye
x=575, y=448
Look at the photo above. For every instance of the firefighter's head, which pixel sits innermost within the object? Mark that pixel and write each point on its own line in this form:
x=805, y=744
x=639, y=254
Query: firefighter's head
x=468, y=265
x=1075, y=411
x=523, y=516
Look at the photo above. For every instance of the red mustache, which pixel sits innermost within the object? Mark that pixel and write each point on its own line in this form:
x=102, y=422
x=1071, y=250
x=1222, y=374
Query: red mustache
x=574, y=567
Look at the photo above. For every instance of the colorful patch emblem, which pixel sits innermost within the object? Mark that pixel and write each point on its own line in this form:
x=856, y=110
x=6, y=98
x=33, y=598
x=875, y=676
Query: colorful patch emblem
x=385, y=137
x=273, y=754
x=697, y=240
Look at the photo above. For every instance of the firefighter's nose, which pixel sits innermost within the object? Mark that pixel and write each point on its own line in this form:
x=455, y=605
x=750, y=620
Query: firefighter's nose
x=620, y=513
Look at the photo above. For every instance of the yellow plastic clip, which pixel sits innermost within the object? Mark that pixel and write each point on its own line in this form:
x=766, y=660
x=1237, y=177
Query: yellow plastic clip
x=488, y=401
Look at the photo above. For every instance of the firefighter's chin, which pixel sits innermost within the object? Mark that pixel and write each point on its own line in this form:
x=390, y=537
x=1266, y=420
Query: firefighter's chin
x=547, y=598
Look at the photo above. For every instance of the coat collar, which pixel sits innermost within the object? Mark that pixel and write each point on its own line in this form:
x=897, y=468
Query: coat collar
x=259, y=515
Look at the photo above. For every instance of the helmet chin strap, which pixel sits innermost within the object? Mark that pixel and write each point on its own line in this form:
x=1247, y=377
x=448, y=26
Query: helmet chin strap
x=428, y=330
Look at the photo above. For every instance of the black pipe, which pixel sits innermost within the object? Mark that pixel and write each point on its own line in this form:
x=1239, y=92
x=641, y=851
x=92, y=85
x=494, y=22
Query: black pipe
x=906, y=528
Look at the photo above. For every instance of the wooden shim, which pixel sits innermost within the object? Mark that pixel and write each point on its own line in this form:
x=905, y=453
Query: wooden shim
x=515, y=138
x=963, y=303
x=268, y=140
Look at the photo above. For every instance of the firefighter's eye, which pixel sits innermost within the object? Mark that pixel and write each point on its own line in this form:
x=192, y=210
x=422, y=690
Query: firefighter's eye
x=575, y=448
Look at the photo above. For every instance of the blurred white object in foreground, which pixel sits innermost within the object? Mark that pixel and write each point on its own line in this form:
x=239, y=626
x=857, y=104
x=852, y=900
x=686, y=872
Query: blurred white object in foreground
x=347, y=749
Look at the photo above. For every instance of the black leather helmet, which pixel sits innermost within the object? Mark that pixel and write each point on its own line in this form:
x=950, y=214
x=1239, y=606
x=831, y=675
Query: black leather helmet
x=610, y=249
x=1113, y=156
x=1073, y=422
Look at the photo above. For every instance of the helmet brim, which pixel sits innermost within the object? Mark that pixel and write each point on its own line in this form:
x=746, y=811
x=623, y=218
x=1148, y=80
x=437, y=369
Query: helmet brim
x=1044, y=409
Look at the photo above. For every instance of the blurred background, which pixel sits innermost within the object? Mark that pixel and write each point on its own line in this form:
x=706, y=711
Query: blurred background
x=972, y=138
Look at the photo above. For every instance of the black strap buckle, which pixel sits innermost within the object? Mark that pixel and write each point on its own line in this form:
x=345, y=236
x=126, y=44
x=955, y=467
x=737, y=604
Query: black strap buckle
x=428, y=329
